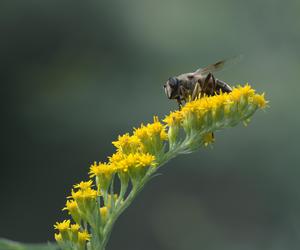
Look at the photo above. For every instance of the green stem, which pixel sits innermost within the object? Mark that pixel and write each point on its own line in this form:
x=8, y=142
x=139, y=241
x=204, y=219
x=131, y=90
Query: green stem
x=181, y=148
x=118, y=210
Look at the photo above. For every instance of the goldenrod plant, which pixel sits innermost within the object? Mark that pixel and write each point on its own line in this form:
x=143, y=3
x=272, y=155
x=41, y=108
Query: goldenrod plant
x=95, y=204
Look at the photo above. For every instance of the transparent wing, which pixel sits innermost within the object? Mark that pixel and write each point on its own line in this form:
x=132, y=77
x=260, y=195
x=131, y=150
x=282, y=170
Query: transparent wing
x=220, y=65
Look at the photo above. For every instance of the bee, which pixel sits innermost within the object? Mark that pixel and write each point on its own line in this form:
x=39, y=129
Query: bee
x=189, y=86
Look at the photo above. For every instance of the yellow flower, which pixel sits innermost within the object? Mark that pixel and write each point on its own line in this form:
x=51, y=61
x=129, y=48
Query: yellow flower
x=144, y=160
x=83, y=237
x=136, y=160
x=152, y=136
x=128, y=144
x=225, y=109
x=151, y=130
x=62, y=226
x=71, y=206
x=83, y=185
x=103, y=172
x=103, y=212
x=87, y=194
x=74, y=228
x=116, y=157
x=173, y=119
x=58, y=237
x=86, y=201
x=73, y=232
x=104, y=169
x=157, y=128
x=73, y=210
x=260, y=100
x=141, y=133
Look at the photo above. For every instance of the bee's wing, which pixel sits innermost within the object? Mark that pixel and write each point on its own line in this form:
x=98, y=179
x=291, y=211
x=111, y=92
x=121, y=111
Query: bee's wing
x=220, y=65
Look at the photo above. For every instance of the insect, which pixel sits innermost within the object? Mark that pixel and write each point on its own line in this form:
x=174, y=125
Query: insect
x=190, y=86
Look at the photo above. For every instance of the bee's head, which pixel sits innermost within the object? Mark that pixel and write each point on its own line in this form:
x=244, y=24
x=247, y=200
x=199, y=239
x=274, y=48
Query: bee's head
x=171, y=87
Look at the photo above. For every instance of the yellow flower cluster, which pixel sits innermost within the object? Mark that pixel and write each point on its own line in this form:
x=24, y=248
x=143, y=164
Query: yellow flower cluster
x=133, y=153
x=152, y=136
x=93, y=202
x=73, y=210
x=235, y=101
x=120, y=162
x=211, y=113
x=71, y=235
x=174, y=118
x=151, y=130
x=130, y=162
x=128, y=144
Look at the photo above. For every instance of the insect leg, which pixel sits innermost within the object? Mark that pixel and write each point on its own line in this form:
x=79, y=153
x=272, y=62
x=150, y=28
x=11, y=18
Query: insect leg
x=206, y=81
x=214, y=85
x=179, y=102
x=183, y=93
x=196, y=91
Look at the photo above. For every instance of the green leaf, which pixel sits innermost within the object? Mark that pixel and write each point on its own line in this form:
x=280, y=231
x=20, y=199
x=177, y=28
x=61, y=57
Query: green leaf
x=12, y=245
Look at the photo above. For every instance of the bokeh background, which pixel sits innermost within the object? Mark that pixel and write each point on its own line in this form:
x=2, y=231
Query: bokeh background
x=76, y=74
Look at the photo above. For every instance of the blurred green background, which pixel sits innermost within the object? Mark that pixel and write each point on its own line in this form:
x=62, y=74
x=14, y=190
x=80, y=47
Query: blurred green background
x=76, y=74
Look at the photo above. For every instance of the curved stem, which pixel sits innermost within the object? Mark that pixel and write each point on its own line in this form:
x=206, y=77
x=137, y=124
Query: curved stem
x=118, y=210
x=181, y=148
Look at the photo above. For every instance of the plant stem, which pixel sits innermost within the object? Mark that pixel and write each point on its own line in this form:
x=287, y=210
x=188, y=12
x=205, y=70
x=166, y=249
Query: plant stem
x=118, y=210
x=181, y=147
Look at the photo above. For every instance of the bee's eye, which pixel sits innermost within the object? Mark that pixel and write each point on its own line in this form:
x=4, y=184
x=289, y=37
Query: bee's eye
x=173, y=81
